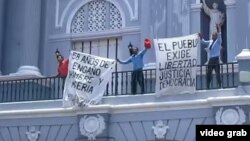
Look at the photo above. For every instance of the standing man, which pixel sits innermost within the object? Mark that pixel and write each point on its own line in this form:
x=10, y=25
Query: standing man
x=62, y=64
x=214, y=47
x=137, y=59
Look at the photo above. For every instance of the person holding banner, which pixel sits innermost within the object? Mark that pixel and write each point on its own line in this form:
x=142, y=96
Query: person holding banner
x=214, y=46
x=136, y=58
x=62, y=64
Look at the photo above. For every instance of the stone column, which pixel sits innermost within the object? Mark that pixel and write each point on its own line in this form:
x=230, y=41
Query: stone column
x=244, y=71
x=231, y=29
x=1, y=31
x=195, y=23
x=31, y=38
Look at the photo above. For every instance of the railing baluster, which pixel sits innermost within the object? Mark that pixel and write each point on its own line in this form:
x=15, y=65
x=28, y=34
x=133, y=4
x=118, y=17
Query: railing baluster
x=51, y=90
x=116, y=83
x=11, y=95
x=3, y=91
x=126, y=82
x=122, y=83
x=227, y=76
x=28, y=90
x=54, y=84
x=151, y=83
x=201, y=76
x=145, y=81
x=15, y=90
x=222, y=76
x=8, y=95
x=58, y=87
x=233, y=74
x=23, y=90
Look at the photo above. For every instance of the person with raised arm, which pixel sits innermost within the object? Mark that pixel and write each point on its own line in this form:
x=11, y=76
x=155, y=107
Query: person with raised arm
x=214, y=46
x=136, y=58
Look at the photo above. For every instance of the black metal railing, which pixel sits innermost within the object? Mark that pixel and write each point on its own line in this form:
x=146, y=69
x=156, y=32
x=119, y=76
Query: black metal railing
x=51, y=88
x=228, y=76
x=31, y=89
x=121, y=81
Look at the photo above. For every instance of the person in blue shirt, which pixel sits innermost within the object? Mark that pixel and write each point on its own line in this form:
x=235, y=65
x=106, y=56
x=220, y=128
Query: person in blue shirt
x=214, y=46
x=136, y=58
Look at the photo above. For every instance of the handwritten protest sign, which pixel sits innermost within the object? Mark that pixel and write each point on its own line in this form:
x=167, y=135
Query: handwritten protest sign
x=87, y=79
x=176, y=64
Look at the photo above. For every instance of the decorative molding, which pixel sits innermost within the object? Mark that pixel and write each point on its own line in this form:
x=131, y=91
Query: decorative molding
x=91, y=126
x=133, y=14
x=59, y=20
x=229, y=2
x=160, y=130
x=230, y=116
x=244, y=55
x=95, y=35
x=196, y=7
x=32, y=134
x=197, y=1
x=57, y=14
x=125, y=108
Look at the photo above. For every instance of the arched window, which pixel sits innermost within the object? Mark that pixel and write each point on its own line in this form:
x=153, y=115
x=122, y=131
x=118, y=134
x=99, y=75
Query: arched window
x=97, y=15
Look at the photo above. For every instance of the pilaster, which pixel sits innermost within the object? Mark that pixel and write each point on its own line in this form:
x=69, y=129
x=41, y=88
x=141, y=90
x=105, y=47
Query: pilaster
x=196, y=23
x=1, y=31
x=231, y=29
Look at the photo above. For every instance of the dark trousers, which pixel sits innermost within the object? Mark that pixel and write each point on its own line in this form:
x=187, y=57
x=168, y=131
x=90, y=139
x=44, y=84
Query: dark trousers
x=213, y=64
x=137, y=76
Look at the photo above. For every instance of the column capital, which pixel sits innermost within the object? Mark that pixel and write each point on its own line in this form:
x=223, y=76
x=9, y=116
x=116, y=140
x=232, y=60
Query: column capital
x=196, y=6
x=230, y=3
x=244, y=55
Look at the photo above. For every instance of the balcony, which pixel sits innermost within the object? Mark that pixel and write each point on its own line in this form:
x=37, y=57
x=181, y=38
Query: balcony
x=16, y=89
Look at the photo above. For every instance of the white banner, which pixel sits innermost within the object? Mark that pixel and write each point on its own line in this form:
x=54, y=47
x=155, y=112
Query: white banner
x=87, y=78
x=176, y=64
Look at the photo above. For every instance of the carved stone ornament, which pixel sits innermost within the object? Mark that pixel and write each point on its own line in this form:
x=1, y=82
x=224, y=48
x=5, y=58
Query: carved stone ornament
x=230, y=116
x=91, y=126
x=32, y=134
x=160, y=130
